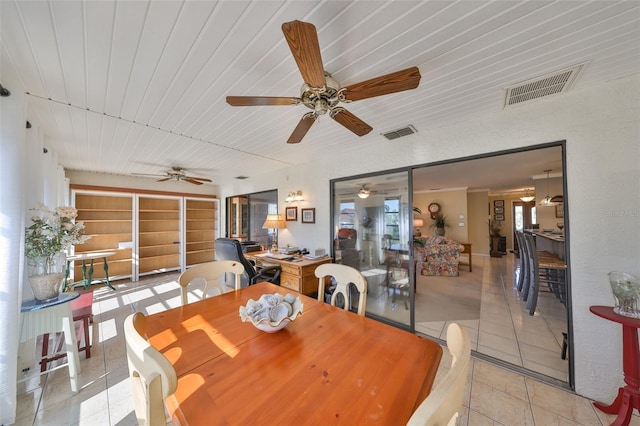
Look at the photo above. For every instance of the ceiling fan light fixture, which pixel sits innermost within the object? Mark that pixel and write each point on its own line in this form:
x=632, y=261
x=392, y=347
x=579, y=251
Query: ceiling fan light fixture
x=364, y=193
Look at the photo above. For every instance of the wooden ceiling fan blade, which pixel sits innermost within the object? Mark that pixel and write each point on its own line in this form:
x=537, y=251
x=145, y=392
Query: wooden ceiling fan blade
x=164, y=180
x=260, y=100
x=198, y=178
x=191, y=180
x=350, y=121
x=384, y=85
x=302, y=128
x=302, y=38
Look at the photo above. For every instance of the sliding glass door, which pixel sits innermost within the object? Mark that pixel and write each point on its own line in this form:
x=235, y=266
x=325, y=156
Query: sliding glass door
x=372, y=233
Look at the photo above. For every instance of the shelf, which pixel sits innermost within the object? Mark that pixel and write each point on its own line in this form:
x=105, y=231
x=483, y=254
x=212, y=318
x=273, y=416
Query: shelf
x=158, y=227
x=199, y=251
x=108, y=220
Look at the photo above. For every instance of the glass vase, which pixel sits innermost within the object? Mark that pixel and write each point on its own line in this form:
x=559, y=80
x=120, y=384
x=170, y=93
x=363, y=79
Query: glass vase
x=46, y=275
x=626, y=291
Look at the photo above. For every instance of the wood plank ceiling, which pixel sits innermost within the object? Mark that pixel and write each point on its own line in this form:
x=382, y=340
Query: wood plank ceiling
x=126, y=87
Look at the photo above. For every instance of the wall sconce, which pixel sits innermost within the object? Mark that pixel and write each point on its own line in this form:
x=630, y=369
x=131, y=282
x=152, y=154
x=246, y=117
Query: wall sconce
x=294, y=196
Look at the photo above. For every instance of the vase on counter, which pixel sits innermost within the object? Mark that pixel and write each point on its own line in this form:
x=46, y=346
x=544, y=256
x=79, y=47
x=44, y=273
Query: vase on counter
x=46, y=275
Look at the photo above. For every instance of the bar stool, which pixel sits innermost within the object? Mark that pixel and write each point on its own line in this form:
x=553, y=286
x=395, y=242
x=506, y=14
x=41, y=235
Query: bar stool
x=82, y=309
x=546, y=268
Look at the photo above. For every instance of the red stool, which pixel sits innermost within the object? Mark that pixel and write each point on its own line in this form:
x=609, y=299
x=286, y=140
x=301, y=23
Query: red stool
x=82, y=309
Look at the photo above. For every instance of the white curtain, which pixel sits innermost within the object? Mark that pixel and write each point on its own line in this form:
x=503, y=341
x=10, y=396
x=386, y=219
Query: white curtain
x=12, y=214
x=28, y=175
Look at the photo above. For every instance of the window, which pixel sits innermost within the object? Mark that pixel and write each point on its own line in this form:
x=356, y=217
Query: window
x=392, y=219
x=347, y=214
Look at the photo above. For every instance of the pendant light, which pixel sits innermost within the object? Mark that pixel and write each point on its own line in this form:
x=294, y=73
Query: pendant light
x=527, y=197
x=547, y=201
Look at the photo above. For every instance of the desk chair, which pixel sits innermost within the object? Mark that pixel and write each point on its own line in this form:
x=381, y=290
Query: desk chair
x=230, y=249
x=153, y=378
x=443, y=404
x=344, y=276
x=209, y=273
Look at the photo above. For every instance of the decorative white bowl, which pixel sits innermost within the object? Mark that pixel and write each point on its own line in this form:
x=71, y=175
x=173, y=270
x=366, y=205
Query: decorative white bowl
x=272, y=312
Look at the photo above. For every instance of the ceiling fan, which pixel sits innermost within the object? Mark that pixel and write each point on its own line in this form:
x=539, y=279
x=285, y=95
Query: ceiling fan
x=177, y=174
x=321, y=93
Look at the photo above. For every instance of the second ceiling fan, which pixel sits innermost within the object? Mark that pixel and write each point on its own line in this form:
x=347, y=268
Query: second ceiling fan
x=320, y=92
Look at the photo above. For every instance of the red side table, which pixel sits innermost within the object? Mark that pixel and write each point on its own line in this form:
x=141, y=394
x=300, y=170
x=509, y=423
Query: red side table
x=628, y=396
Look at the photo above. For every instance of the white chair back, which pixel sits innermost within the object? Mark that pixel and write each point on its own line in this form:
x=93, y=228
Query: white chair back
x=344, y=275
x=443, y=404
x=210, y=273
x=152, y=376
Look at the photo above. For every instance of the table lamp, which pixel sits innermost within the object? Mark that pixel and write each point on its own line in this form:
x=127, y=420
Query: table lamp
x=417, y=223
x=275, y=222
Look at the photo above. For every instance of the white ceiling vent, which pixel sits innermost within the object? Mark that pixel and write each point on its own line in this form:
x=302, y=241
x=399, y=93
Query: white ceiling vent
x=405, y=131
x=550, y=84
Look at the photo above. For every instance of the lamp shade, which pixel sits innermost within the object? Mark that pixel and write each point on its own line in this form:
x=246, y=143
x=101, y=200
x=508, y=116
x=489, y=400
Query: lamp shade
x=418, y=222
x=274, y=221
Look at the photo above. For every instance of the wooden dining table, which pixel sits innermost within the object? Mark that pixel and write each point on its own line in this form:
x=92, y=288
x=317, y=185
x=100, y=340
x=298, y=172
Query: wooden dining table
x=329, y=366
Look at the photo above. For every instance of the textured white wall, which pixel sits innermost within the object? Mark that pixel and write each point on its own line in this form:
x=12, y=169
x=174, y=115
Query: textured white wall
x=602, y=129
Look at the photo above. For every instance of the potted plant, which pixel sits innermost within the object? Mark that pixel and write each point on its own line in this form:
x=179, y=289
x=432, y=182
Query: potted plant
x=50, y=234
x=439, y=223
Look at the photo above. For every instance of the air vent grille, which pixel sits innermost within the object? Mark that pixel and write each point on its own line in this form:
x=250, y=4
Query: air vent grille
x=405, y=131
x=550, y=84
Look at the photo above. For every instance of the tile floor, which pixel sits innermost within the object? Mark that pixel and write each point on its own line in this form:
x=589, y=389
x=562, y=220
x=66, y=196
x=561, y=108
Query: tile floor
x=504, y=329
x=494, y=396
x=487, y=304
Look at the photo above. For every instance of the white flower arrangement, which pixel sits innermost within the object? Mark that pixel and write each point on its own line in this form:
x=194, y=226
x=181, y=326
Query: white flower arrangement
x=50, y=233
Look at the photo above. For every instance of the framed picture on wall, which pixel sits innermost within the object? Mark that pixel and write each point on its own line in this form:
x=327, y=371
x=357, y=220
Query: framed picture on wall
x=498, y=203
x=498, y=210
x=308, y=215
x=559, y=210
x=291, y=213
x=499, y=217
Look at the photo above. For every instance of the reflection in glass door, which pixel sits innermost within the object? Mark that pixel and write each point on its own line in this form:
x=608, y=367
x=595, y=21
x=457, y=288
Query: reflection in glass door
x=372, y=234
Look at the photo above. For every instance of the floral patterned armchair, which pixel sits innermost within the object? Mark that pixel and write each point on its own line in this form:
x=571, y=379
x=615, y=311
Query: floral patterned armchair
x=439, y=256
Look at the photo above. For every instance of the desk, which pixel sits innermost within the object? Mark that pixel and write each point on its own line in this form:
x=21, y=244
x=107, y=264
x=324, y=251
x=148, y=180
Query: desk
x=87, y=280
x=298, y=276
x=629, y=395
x=328, y=366
x=53, y=317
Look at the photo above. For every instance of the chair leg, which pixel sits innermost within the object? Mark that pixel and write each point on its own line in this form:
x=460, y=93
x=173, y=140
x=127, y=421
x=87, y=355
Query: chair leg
x=45, y=353
x=564, y=345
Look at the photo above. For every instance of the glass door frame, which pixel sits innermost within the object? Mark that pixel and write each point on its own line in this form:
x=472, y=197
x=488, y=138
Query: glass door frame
x=405, y=226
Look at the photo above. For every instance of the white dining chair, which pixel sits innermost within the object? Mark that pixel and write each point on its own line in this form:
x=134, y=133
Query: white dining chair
x=210, y=273
x=344, y=275
x=443, y=404
x=152, y=376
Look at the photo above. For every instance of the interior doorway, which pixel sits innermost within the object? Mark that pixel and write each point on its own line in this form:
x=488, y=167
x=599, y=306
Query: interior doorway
x=482, y=197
